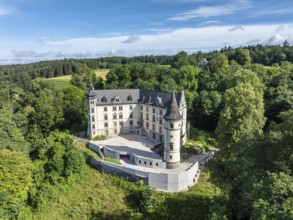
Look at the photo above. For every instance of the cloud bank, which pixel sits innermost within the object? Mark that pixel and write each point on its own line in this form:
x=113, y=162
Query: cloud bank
x=171, y=42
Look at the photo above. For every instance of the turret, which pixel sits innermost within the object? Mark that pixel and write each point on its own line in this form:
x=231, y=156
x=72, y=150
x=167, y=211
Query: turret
x=172, y=137
x=92, y=120
x=183, y=112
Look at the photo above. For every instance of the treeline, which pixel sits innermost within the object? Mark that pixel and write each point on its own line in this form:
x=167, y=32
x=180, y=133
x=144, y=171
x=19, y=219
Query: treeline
x=49, y=69
x=258, y=54
x=37, y=152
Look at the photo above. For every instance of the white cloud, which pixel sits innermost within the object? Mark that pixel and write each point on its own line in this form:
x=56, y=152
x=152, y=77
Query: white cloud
x=284, y=27
x=211, y=22
x=5, y=11
x=276, y=39
x=131, y=39
x=253, y=41
x=237, y=28
x=189, y=39
x=45, y=39
x=212, y=11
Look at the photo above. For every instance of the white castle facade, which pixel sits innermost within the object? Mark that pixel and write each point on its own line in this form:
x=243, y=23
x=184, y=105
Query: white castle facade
x=159, y=116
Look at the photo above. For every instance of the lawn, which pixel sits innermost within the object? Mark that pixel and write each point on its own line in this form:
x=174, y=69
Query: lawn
x=59, y=84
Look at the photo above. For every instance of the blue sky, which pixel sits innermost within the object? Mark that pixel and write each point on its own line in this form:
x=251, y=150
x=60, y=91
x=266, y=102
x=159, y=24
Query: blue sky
x=33, y=30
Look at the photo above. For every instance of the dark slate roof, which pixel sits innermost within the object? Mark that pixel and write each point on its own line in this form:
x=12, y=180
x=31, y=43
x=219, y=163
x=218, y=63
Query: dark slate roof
x=107, y=97
x=173, y=110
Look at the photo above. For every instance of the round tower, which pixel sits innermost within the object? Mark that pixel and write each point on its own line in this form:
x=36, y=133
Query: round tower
x=172, y=137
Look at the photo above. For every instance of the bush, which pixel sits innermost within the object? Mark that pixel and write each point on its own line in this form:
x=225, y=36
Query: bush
x=99, y=138
x=146, y=200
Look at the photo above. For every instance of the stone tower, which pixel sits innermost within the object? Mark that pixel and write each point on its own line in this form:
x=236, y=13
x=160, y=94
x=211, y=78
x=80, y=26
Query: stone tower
x=172, y=137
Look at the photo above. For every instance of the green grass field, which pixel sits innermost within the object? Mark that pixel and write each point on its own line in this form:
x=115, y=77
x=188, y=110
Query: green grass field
x=59, y=84
x=62, y=82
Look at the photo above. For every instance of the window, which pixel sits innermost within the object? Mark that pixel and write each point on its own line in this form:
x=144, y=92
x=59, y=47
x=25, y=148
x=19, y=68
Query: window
x=92, y=110
x=139, y=161
x=141, y=107
x=121, y=123
x=147, y=109
x=105, y=109
x=120, y=116
x=114, y=108
x=157, y=164
x=93, y=126
x=115, y=123
x=141, y=115
x=131, y=115
x=115, y=116
x=154, y=136
x=93, y=118
x=160, y=129
x=154, y=118
x=151, y=163
x=154, y=111
x=137, y=122
x=171, y=157
x=147, y=125
x=120, y=108
x=104, y=99
x=154, y=127
x=92, y=102
x=106, y=124
x=171, y=125
x=130, y=123
x=171, y=145
x=105, y=117
x=161, y=138
x=116, y=98
x=130, y=107
x=129, y=98
x=147, y=116
x=161, y=121
x=161, y=112
x=145, y=162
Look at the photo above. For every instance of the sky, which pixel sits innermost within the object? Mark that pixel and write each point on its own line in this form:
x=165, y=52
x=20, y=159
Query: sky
x=34, y=30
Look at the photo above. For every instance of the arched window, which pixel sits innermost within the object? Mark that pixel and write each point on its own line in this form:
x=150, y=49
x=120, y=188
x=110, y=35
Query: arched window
x=104, y=99
x=129, y=98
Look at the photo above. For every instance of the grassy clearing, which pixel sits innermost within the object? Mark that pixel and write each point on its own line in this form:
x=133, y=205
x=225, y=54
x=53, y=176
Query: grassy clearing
x=102, y=73
x=62, y=82
x=59, y=84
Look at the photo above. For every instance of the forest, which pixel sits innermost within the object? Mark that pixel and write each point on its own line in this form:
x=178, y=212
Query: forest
x=240, y=98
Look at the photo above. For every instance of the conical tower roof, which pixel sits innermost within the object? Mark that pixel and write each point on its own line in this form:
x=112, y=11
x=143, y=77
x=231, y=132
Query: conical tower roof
x=173, y=110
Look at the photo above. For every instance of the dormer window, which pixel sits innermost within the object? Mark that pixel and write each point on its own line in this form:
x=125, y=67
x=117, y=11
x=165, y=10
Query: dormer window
x=116, y=98
x=143, y=98
x=149, y=99
x=158, y=101
x=104, y=99
x=129, y=98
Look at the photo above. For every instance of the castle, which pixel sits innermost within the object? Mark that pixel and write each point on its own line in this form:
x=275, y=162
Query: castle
x=158, y=116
